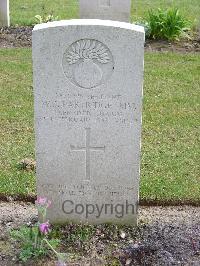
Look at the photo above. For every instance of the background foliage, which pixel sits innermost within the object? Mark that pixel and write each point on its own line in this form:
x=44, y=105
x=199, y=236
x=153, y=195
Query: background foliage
x=24, y=11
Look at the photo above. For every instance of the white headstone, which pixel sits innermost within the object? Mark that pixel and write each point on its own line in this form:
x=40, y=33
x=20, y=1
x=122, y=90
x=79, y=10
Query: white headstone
x=118, y=10
x=4, y=13
x=88, y=77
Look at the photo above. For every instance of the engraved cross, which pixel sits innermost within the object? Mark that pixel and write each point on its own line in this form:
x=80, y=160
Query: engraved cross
x=87, y=148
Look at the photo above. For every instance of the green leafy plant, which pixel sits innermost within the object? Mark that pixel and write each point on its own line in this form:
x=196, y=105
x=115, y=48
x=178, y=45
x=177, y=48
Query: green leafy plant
x=167, y=24
x=32, y=245
x=146, y=26
x=34, y=239
x=45, y=18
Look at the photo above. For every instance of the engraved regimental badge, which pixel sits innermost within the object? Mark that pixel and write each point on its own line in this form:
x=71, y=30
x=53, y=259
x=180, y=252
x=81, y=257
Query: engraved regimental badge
x=88, y=63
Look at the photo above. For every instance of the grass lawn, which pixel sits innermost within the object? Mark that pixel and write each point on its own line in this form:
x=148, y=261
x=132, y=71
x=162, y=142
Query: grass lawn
x=24, y=11
x=170, y=159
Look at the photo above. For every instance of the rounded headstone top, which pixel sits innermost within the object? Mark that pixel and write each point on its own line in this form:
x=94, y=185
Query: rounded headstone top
x=89, y=22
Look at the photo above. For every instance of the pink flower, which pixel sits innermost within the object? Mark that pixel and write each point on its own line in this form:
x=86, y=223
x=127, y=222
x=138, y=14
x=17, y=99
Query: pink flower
x=44, y=228
x=43, y=202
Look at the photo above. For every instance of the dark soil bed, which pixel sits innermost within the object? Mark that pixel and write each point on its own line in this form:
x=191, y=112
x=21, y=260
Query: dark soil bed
x=164, y=236
x=15, y=37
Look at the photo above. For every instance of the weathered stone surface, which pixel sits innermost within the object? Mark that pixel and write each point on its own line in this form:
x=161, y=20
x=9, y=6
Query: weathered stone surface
x=4, y=13
x=88, y=77
x=118, y=10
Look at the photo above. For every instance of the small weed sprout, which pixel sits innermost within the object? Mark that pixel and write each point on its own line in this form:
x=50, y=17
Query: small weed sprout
x=34, y=239
x=45, y=18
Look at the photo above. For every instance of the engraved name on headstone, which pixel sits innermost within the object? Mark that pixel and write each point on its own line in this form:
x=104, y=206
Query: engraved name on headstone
x=88, y=77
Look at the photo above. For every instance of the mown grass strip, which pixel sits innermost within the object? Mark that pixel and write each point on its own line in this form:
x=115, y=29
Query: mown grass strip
x=170, y=146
